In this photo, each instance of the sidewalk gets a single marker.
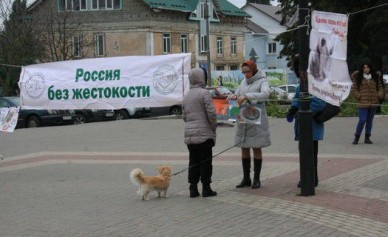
(83, 193)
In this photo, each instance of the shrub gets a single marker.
(348, 108)
(276, 109)
(384, 108)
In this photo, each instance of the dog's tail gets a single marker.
(136, 176)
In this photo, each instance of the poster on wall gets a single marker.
(328, 76)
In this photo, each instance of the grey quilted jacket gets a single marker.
(256, 89)
(198, 112)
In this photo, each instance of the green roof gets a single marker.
(224, 6)
(175, 5)
(229, 9)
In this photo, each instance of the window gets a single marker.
(220, 46)
(288, 88)
(271, 48)
(77, 40)
(202, 13)
(220, 67)
(117, 4)
(72, 5)
(4, 103)
(166, 43)
(101, 4)
(233, 45)
(203, 44)
(84, 5)
(184, 43)
(68, 5)
(109, 5)
(100, 45)
(76, 6)
(233, 67)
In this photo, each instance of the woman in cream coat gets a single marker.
(254, 89)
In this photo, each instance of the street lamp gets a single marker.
(209, 78)
(306, 151)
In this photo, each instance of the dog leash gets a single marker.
(183, 170)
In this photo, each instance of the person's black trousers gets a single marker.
(315, 144)
(200, 162)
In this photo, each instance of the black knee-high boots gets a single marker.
(256, 176)
(246, 181)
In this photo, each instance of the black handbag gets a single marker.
(329, 112)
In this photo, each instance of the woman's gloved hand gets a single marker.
(291, 114)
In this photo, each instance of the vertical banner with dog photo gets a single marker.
(328, 76)
(8, 119)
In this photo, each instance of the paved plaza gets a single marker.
(74, 181)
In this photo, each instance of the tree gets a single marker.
(62, 34)
(367, 30)
(18, 45)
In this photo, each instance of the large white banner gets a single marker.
(106, 83)
(8, 119)
(328, 76)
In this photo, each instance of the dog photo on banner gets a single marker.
(250, 113)
(328, 76)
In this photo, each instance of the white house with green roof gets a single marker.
(260, 44)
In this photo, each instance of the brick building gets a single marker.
(147, 27)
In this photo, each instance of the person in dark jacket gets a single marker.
(200, 118)
(368, 92)
(316, 105)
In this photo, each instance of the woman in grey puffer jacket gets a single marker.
(200, 117)
(254, 88)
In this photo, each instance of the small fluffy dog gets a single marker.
(159, 183)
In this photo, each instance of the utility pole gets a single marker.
(207, 15)
(306, 152)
